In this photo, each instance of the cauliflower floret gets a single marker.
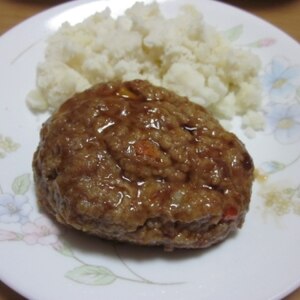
(184, 80)
(225, 108)
(57, 82)
(182, 53)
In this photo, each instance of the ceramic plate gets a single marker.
(261, 261)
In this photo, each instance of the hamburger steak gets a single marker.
(137, 163)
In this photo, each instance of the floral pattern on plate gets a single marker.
(273, 166)
(283, 121)
(281, 83)
(21, 224)
(234, 33)
(280, 199)
(7, 145)
(40, 230)
(281, 80)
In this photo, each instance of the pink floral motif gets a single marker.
(6, 235)
(42, 231)
(265, 42)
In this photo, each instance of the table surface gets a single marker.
(281, 13)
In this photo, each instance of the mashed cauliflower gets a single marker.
(183, 54)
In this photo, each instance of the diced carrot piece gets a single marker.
(230, 213)
(146, 148)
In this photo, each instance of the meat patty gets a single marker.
(137, 163)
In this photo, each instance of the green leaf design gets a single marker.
(277, 166)
(7, 145)
(21, 184)
(234, 33)
(91, 275)
(273, 166)
(63, 248)
(289, 192)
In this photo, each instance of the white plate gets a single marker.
(260, 262)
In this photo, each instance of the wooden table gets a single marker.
(282, 13)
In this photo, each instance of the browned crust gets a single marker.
(137, 163)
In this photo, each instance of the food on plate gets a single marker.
(137, 163)
(181, 53)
